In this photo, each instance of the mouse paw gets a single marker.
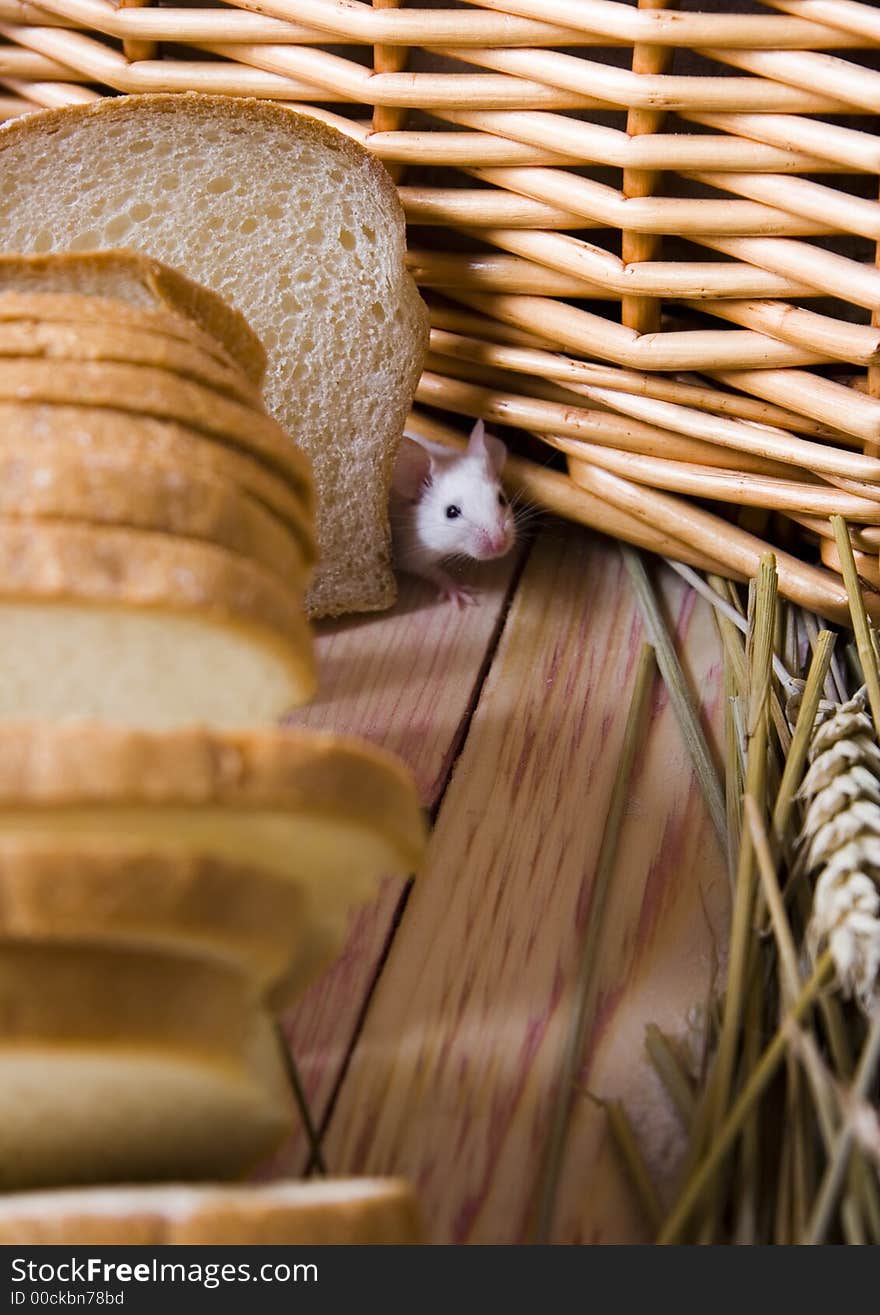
(460, 594)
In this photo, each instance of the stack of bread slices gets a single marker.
(173, 865)
(156, 533)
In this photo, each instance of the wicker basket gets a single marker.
(648, 237)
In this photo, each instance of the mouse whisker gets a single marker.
(525, 515)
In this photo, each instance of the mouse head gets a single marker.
(461, 507)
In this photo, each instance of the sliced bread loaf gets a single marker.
(107, 433)
(67, 485)
(121, 1066)
(301, 230)
(332, 1212)
(332, 815)
(76, 310)
(144, 629)
(50, 340)
(152, 295)
(146, 390)
(105, 890)
(62, 995)
(284, 770)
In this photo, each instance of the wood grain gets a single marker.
(454, 1074)
(405, 679)
(664, 935)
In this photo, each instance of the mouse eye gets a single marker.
(452, 512)
(502, 501)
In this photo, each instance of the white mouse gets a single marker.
(447, 504)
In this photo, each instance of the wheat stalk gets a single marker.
(779, 1055)
(840, 840)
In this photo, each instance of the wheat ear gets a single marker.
(841, 841)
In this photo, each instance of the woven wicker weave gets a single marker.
(648, 237)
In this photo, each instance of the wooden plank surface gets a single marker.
(405, 679)
(664, 933)
(454, 1074)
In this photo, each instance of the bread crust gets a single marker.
(210, 313)
(63, 995)
(110, 434)
(64, 486)
(46, 765)
(147, 390)
(51, 340)
(328, 1212)
(167, 1069)
(91, 310)
(141, 569)
(110, 890)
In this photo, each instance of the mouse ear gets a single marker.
(486, 446)
(412, 469)
(417, 460)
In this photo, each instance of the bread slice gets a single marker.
(281, 770)
(79, 310)
(151, 295)
(111, 891)
(331, 1212)
(144, 629)
(146, 390)
(295, 225)
(68, 995)
(67, 485)
(51, 340)
(121, 1065)
(107, 433)
(332, 815)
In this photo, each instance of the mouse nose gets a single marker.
(494, 544)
